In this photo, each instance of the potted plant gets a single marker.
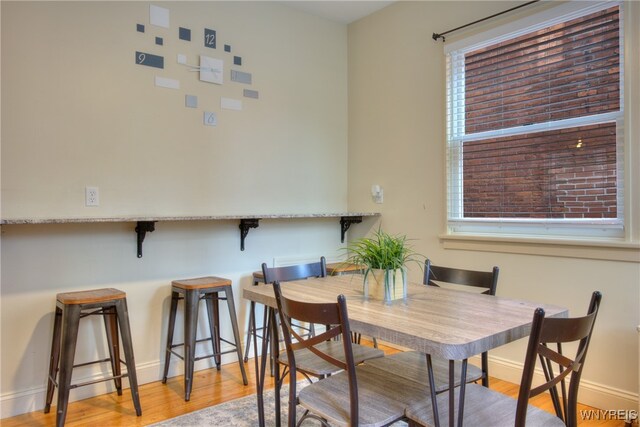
(385, 258)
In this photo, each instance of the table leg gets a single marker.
(432, 387)
(463, 385)
(260, 369)
(434, 400)
(452, 393)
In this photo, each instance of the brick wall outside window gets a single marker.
(565, 71)
(557, 174)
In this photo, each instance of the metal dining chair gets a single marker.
(412, 364)
(309, 364)
(356, 396)
(486, 407)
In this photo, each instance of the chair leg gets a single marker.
(54, 359)
(275, 339)
(250, 331)
(170, 328)
(191, 301)
(113, 341)
(127, 346)
(236, 333)
(70, 323)
(485, 369)
(211, 314)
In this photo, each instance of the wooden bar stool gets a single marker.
(340, 268)
(192, 291)
(70, 308)
(258, 277)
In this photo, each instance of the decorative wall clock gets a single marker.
(210, 68)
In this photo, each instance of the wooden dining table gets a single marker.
(446, 323)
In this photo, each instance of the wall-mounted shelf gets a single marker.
(247, 222)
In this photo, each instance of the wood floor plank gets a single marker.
(210, 387)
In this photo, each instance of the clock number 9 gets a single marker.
(149, 60)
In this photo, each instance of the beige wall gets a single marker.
(397, 140)
(77, 111)
(93, 117)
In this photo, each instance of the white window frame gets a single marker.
(596, 229)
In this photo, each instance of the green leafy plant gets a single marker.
(383, 251)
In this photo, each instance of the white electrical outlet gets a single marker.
(91, 196)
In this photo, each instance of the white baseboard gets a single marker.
(591, 393)
(599, 396)
(21, 402)
(15, 403)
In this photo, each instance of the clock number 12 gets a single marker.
(209, 38)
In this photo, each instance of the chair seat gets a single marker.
(482, 407)
(310, 363)
(382, 397)
(412, 366)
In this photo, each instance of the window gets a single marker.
(535, 127)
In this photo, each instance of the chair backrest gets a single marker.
(294, 272)
(547, 331)
(335, 316)
(457, 276)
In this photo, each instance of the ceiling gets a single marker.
(343, 12)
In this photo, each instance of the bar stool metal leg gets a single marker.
(212, 316)
(236, 334)
(127, 344)
(70, 323)
(54, 359)
(113, 342)
(170, 329)
(191, 299)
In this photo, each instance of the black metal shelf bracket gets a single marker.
(142, 228)
(345, 223)
(245, 225)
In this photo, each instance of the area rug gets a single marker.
(241, 412)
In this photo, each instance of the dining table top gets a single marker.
(444, 322)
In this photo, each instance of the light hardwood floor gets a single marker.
(210, 387)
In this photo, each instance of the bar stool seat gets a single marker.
(70, 308)
(192, 291)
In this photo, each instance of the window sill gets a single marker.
(601, 250)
